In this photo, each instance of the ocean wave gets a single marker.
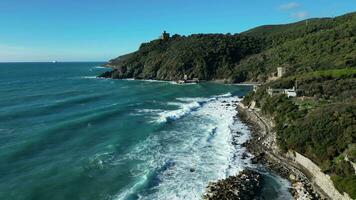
(184, 158)
(88, 77)
(130, 191)
(96, 68)
(175, 83)
(148, 110)
(184, 109)
(100, 67)
(186, 106)
(146, 80)
(158, 81)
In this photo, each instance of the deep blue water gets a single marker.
(65, 134)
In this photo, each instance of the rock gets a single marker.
(244, 156)
(246, 185)
(192, 170)
(258, 158)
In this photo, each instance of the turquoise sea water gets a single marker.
(65, 134)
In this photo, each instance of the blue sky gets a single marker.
(97, 30)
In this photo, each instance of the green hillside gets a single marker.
(305, 46)
(319, 56)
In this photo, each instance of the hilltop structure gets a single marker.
(164, 36)
(281, 71)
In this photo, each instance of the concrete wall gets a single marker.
(319, 178)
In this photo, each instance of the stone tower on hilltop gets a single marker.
(164, 36)
(281, 72)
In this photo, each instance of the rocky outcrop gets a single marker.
(245, 186)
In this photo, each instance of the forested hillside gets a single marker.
(320, 123)
(319, 56)
(301, 47)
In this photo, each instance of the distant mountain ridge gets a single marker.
(304, 46)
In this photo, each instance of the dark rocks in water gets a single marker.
(107, 74)
(244, 156)
(192, 170)
(258, 158)
(235, 138)
(246, 185)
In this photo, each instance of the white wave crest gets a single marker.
(88, 77)
(184, 159)
(186, 106)
(176, 114)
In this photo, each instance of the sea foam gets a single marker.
(196, 148)
(186, 106)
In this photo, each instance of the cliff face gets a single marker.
(250, 56)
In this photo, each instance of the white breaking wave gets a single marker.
(100, 67)
(89, 77)
(147, 80)
(186, 106)
(184, 109)
(159, 81)
(179, 162)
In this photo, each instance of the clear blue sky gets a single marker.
(97, 30)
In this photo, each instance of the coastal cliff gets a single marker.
(305, 46)
(317, 58)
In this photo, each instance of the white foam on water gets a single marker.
(175, 83)
(129, 191)
(184, 109)
(146, 80)
(148, 110)
(88, 77)
(159, 81)
(100, 67)
(197, 149)
(185, 106)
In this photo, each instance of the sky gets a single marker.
(98, 30)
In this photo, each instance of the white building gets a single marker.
(289, 92)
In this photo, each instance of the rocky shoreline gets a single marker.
(264, 148)
(246, 185)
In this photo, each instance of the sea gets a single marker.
(66, 134)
